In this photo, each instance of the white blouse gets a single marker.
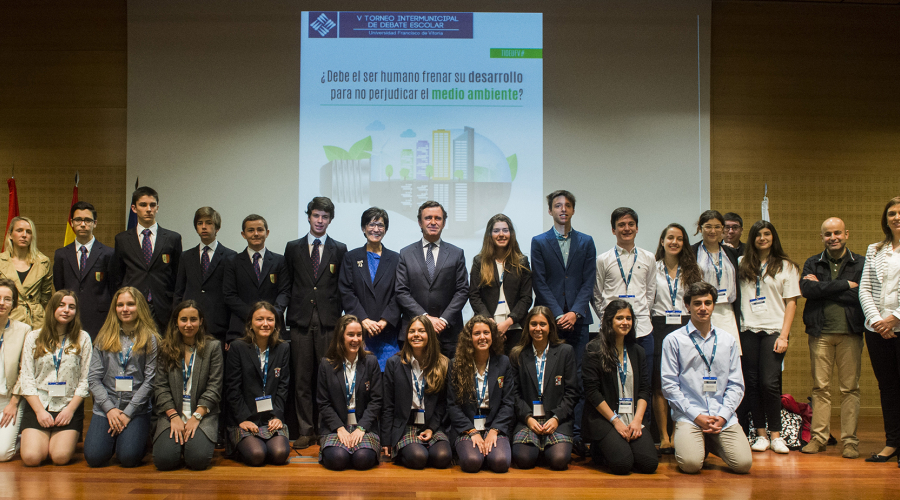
(37, 374)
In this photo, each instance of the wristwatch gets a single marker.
(197, 415)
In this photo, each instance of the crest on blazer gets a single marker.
(273, 278)
(359, 263)
(165, 258)
(99, 275)
(277, 372)
(331, 268)
(367, 385)
(558, 380)
(500, 382)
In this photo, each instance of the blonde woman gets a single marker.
(12, 337)
(29, 269)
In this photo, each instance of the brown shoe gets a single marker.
(302, 442)
(814, 446)
(850, 451)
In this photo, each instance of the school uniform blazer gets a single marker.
(600, 386)
(34, 292)
(241, 289)
(561, 391)
(733, 256)
(93, 286)
(398, 397)
(365, 298)
(13, 341)
(243, 382)
(128, 268)
(441, 297)
(310, 292)
(516, 287)
(206, 389)
(564, 287)
(331, 396)
(873, 276)
(501, 399)
(208, 292)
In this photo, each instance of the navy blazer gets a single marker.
(243, 382)
(398, 397)
(600, 386)
(332, 399)
(516, 289)
(569, 287)
(364, 298)
(732, 255)
(561, 389)
(241, 289)
(93, 287)
(501, 399)
(207, 291)
(308, 291)
(128, 268)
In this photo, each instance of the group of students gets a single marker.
(504, 387)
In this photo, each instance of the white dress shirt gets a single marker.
(89, 245)
(154, 230)
(417, 374)
(349, 379)
(663, 300)
(212, 249)
(435, 251)
(36, 374)
(311, 240)
(610, 285)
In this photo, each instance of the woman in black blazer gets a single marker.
(187, 390)
(415, 400)
(546, 393)
(480, 398)
(349, 398)
(500, 280)
(368, 275)
(256, 387)
(616, 391)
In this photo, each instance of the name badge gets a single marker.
(57, 389)
(124, 384)
(723, 295)
(538, 409)
(263, 404)
(626, 406)
(709, 384)
(420, 417)
(351, 417)
(673, 317)
(758, 305)
(479, 422)
(186, 404)
(627, 298)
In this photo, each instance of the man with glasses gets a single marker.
(83, 267)
(734, 227)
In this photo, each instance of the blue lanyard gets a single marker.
(719, 268)
(539, 364)
(622, 270)
(623, 370)
(762, 270)
(265, 369)
(57, 358)
(673, 292)
(481, 393)
(419, 386)
(123, 359)
(187, 369)
(350, 386)
(703, 356)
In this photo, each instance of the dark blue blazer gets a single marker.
(129, 269)
(564, 288)
(398, 396)
(241, 289)
(190, 284)
(364, 298)
(308, 291)
(93, 287)
(332, 400)
(501, 399)
(243, 382)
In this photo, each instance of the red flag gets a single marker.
(13, 206)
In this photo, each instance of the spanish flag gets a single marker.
(70, 234)
(13, 205)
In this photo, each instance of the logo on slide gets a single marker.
(323, 24)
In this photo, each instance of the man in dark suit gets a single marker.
(83, 267)
(201, 271)
(147, 257)
(432, 279)
(252, 275)
(314, 265)
(563, 273)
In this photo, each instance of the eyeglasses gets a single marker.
(733, 228)
(375, 225)
(707, 227)
(80, 221)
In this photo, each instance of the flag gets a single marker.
(765, 204)
(13, 206)
(132, 217)
(70, 234)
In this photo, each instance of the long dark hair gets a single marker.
(250, 335)
(525, 338)
(337, 351)
(708, 216)
(690, 271)
(48, 338)
(750, 264)
(172, 347)
(888, 235)
(604, 345)
(435, 364)
(512, 256)
(464, 361)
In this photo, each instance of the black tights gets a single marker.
(256, 451)
(337, 458)
(471, 459)
(558, 456)
(417, 456)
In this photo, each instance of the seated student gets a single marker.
(616, 392)
(349, 399)
(415, 400)
(546, 392)
(187, 391)
(481, 398)
(256, 386)
(54, 377)
(701, 378)
(12, 337)
(123, 365)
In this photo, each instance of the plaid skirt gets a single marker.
(236, 434)
(369, 441)
(541, 441)
(412, 437)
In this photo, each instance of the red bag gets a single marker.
(804, 410)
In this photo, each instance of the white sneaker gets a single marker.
(761, 444)
(778, 446)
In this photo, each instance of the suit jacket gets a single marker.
(241, 289)
(128, 268)
(501, 398)
(516, 288)
(207, 291)
(310, 292)
(364, 298)
(872, 281)
(564, 287)
(93, 286)
(243, 382)
(331, 396)
(398, 397)
(732, 255)
(206, 389)
(13, 341)
(34, 292)
(561, 390)
(819, 293)
(442, 297)
(600, 386)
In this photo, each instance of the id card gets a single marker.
(124, 384)
(673, 317)
(420, 417)
(709, 384)
(627, 298)
(57, 389)
(186, 405)
(723, 295)
(538, 410)
(626, 406)
(479, 422)
(263, 404)
(758, 305)
(351, 417)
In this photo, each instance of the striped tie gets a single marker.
(429, 261)
(82, 262)
(256, 267)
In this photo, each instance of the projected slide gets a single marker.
(397, 108)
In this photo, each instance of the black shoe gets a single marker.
(579, 448)
(881, 458)
(220, 443)
(667, 451)
(303, 442)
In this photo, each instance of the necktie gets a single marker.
(82, 262)
(256, 268)
(147, 246)
(429, 261)
(204, 261)
(315, 257)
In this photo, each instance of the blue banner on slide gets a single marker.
(420, 25)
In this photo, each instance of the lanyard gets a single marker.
(622, 270)
(187, 369)
(419, 386)
(762, 270)
(350, 386)
(623, 370)
(265, 369)
(703, 356)
(480, 393)
(500, 272)
(719, 268)
(673, 292)
(539, 364)
(57, 358)
(123, 359)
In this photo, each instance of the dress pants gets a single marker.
(578, 339)
(826, 351)
(308, 347)
(885, 356)
(762, 376)
(731, 445)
